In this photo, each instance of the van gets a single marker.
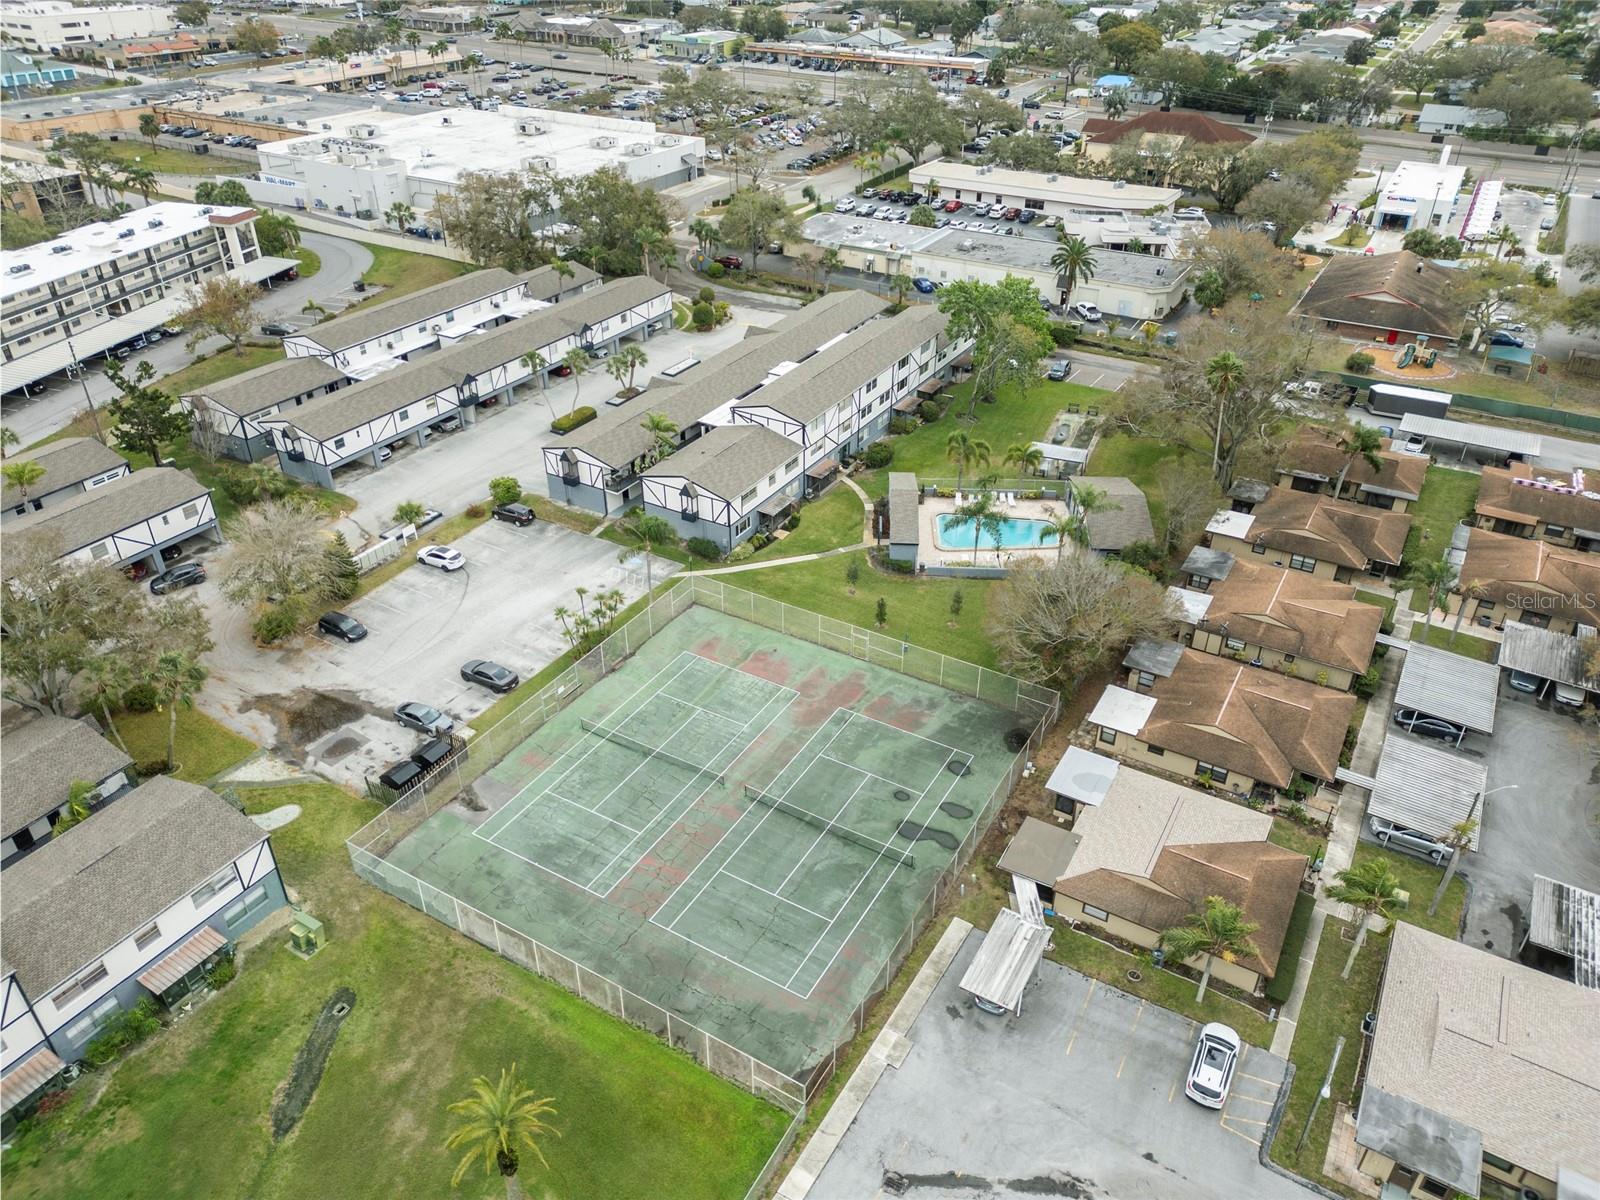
(1408, 841)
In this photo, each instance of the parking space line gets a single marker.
(1183, 1076)
(1078, 1024)
(1232, 1096)
(1134, 1028)
(1236, 1133)
(1272, 1083)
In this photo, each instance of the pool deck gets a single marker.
(935, 553)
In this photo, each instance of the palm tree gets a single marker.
(1436, 578)
(900, 283)
(413, 39)
(1224, 373)
(1219, 930)
(499, 1121)
(577, 360)
(830, 262)
(141, 180)
(704, 233)
(868, 162)
(984, 517)
(107, 677)
(1088, 500)
(653, 241)
(399, 214)
(1025, 456)
(535, 362)
(1371, 887)
(632, 358)
(22, 475)
(436, 49)
(964, 450)
(1458, 839)
(664, 429)
(1063, 526)
(1073, 263)
(1357, 441)
(8, 439)
(649, 533)
(176, 678)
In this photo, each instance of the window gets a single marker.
(92, 1019)
(404, 413)
(191, 511)
(747, 498)
(208, 890)
(792, 464)
(1233, 643)
(1299, 562)
(1377, 500)
(91, 978)
(1503, 1165)
(1199, 583)
(1258, 547)
(1099, 914)
(1147, 679)
(100, 550)
(1064, 804)
(1287, 659)
(743, 525)
(251, 902)
(147, 935)
(1555, 531)
(338, 443)
(1036, 205)
(1432, 1187)
(1156, 751)
(1108, 735)
(1218, 775)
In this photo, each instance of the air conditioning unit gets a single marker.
(670, 139)
(19, 269)
(635, 149)
(603, 143)
(437, 328)
(154, 223)
(60, 249)
(531, 128)
(125, 233)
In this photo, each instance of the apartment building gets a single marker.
(1328, 538)
(1525, 502)
(1314, 462)
(71, 466)
(52, 26)
(102, 284)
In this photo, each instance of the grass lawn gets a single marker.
(400, 271)
(919, 609)
(1139, 459)
(1294, 940)
(432, 1011)
(204, 748)
(169, 160)
(1296, 837)
(1446, 499)
(310, 261)
(1439, 636)
(223, 365)
(1384, 602)
(1335, 1006)
(1421, 879)
(825, 524)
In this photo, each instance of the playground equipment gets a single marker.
(1416, 353)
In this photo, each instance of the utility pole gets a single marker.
(1325, 1094)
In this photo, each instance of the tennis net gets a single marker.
(892, 853)
(622, 739)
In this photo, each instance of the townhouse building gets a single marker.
(1314, 462)
(1562, 509)
(72, 466)
(1328, 538)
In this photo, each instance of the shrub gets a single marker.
(758, 540)
(277, 623)
(741, 552)
(793, 522)
(706, 295)
(140, 698)
(221, 975)
(477, 511)
(927, 412)
(567, 422)
(879, 454)
(1147, 556)
(715, 270)
(241, 489)
(901, 425)
(150, 769)
(503, 489)
(1366, 684)
(702, 316)
(1063, 334)
(1359, 363)
(123, 1031)
(703, 548)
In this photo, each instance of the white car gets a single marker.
(442, 557)
(844, 206)
(1216, 1055)
(1086, 312)
(1190, 214)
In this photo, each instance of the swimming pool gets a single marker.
(1015, 534)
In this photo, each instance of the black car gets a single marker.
(490, 675)
(183, 575)
(517, 514)
(401, 777)
(277, 329)
(341, 625)
(433, 753)
(1423, 725)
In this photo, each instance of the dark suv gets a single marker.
(517, 514)
(181, 576)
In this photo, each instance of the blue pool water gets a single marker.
(1015, 534)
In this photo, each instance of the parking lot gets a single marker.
(1080, 1096)
(328, 703)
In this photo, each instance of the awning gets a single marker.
(775, 506)
(1160, 659)
(1566, 920)
(26, 1078)
(822, 469)
(930, 389)
(1006, 960)
(910, 402)
(170, 970)
(1463, 433)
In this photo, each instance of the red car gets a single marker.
(561, 369)
(732, 261)
(1011, 214)
(953, 206)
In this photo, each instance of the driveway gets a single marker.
(327, 704)
(1550, 825)
(453, 470)
(1081, 1096)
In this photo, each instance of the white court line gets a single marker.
(830, 825)
(679, 812)
(704, 949)
(774, 895)
(909, 733)
(595, 811)
(545, 867)
(899, 783)
(587, 742)
(748, 835)
(649, 758)
(871, 904)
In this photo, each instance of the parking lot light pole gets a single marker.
(1325, 1094)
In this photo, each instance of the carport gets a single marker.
(1565, 920)
(1006, 961)
(1503, 444)
(1039, 854)
(1427, 789)
(1553, 657)
(1450, 687)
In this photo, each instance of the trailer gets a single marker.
(1395, 400)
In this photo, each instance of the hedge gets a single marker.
(569, 422)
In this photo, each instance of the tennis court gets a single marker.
(735, 825)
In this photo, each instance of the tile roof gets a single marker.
(112, 507)
(1119, 527)
(1320, 527)
(1500, 1047)
(1255, 722)
(1153, 850)
(247, 394)
(1196, 127)
(1510, 494)
(729, 459)
(1531, 573)
(1384, 291)
(369, 322)
(1315, 452)
(1295, 613)
(116, 870)
(69, 461)
(43, 758)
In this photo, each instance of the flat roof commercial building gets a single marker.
(1043, 192)
(55, 25)
(1420, 195)
(368, 163)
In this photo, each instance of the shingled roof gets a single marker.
(1244, 719)
(1398, 291)
(1193, 126)
(1567, 500)
(43, 759)
(1320, 527)
(1531, 574)
(1314, 452)
(66, 462)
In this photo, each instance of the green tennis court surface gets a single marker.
(736, 825)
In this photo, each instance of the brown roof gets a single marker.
(1501, 495)
(1196, 127)
(1295, 613)
(1323, 528)
(1384, 291)
(1315, 451)
(1256, 722)
(1532, 574)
